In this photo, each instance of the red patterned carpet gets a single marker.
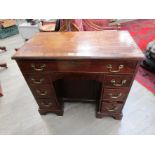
(143, 31)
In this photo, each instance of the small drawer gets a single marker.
(116, 67)
(111, 107)
(43, 91)
(99, 66)
(34, 66)
(47, 103)
(118, 80)
(37, 79)
(115, 94)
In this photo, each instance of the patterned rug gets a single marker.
(143, 31)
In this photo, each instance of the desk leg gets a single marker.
(115, 116)
(45, 111)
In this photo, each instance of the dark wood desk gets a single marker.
(97, 67)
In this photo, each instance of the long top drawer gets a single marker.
(103, 66)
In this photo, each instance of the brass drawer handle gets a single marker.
(111, 109)
(46, 104)
(114, 108)
(37, 82)
(42, 93)
(38, 69)
(117, 84)
(116, 96)
(109, 66)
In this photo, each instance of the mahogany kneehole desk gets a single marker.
(96, 67)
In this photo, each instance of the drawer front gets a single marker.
(115, 94)
(43, 91)
(37, 79)
(104, 66)
(34, 66)
(111, 107)
(47, 103)
(94, 66)
(117, 80)
(81, 76)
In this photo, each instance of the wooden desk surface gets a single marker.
(81, 45)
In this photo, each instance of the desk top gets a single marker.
(108, 44)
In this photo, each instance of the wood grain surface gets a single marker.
(75, 45)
